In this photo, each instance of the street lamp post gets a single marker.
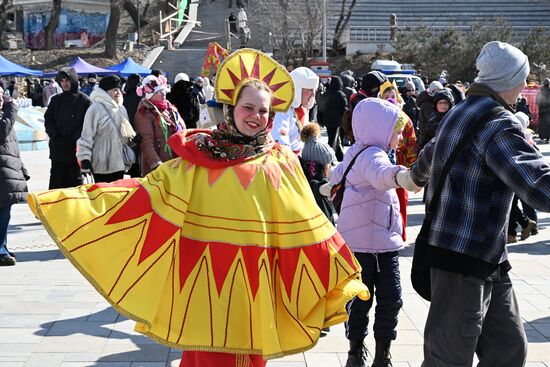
(324, 31)
(138, 25)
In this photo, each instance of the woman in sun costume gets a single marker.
(221, 252)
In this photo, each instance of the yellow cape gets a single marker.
(237, 259)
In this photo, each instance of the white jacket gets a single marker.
(101, 140)
(286, 131)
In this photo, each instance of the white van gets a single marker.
(401, 79)
(394, 71)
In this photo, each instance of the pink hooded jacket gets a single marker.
(369, 219)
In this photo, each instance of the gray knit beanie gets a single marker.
(501, 66)
(317, 151)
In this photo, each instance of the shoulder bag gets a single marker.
(420, 272)
(337, 191)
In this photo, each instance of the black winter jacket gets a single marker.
(13, 186)
(64, 118)
(131, 99)
(333, 103)
(186, 102)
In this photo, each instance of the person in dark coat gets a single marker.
(370, 87)
(197, 90)
(13, 175)
(183, 98)
(543, 101)
(63, 121)
(316, 159)
(131, 102)
(408, 92)
(332, 106)
(131, 99)
(523, 106)
(349, 85)
(233, 23)
(443, 101)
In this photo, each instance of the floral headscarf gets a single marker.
(151, 85)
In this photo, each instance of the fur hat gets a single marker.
(502, 67)
(110, 82)
(372, 81)
(314, 149)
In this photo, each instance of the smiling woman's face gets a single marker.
(251, 113)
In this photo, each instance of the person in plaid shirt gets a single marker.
(474, 307)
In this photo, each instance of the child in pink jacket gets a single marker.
(371, 224)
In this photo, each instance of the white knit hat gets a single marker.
(501, 66)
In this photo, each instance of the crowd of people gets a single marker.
(253, 196)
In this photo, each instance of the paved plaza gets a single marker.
(51, 317)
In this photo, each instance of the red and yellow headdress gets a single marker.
(249, 64)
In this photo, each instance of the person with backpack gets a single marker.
(371, 224)
(182, 97)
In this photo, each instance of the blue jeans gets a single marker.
(4, 221)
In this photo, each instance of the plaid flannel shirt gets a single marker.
(472, 215)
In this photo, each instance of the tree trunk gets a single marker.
(341, 25)
(52, 25)
(112, 30)
(3, 16)
(131, 9)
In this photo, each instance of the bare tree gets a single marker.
(295, 27)
(52, 24)
(4, 6)
(341, 25)
(131, 9)
(112, 29)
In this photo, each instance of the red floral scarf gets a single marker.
(221, 147)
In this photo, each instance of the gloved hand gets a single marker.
(137, 139)
(86, 172)
(86, 165)
(325, 189)
(403, 179)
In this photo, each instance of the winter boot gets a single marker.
(356, 354)
(382, 357)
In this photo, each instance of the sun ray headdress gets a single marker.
(226, 145)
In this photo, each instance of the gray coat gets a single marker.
(13, 186)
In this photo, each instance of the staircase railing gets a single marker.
(170, 24)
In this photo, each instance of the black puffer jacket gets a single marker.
(64, 118)
(13, 187)
(333, 103)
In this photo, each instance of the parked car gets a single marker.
(401, 79)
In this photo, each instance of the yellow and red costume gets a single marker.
(210, 255)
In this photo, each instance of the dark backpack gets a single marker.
(345, 124)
